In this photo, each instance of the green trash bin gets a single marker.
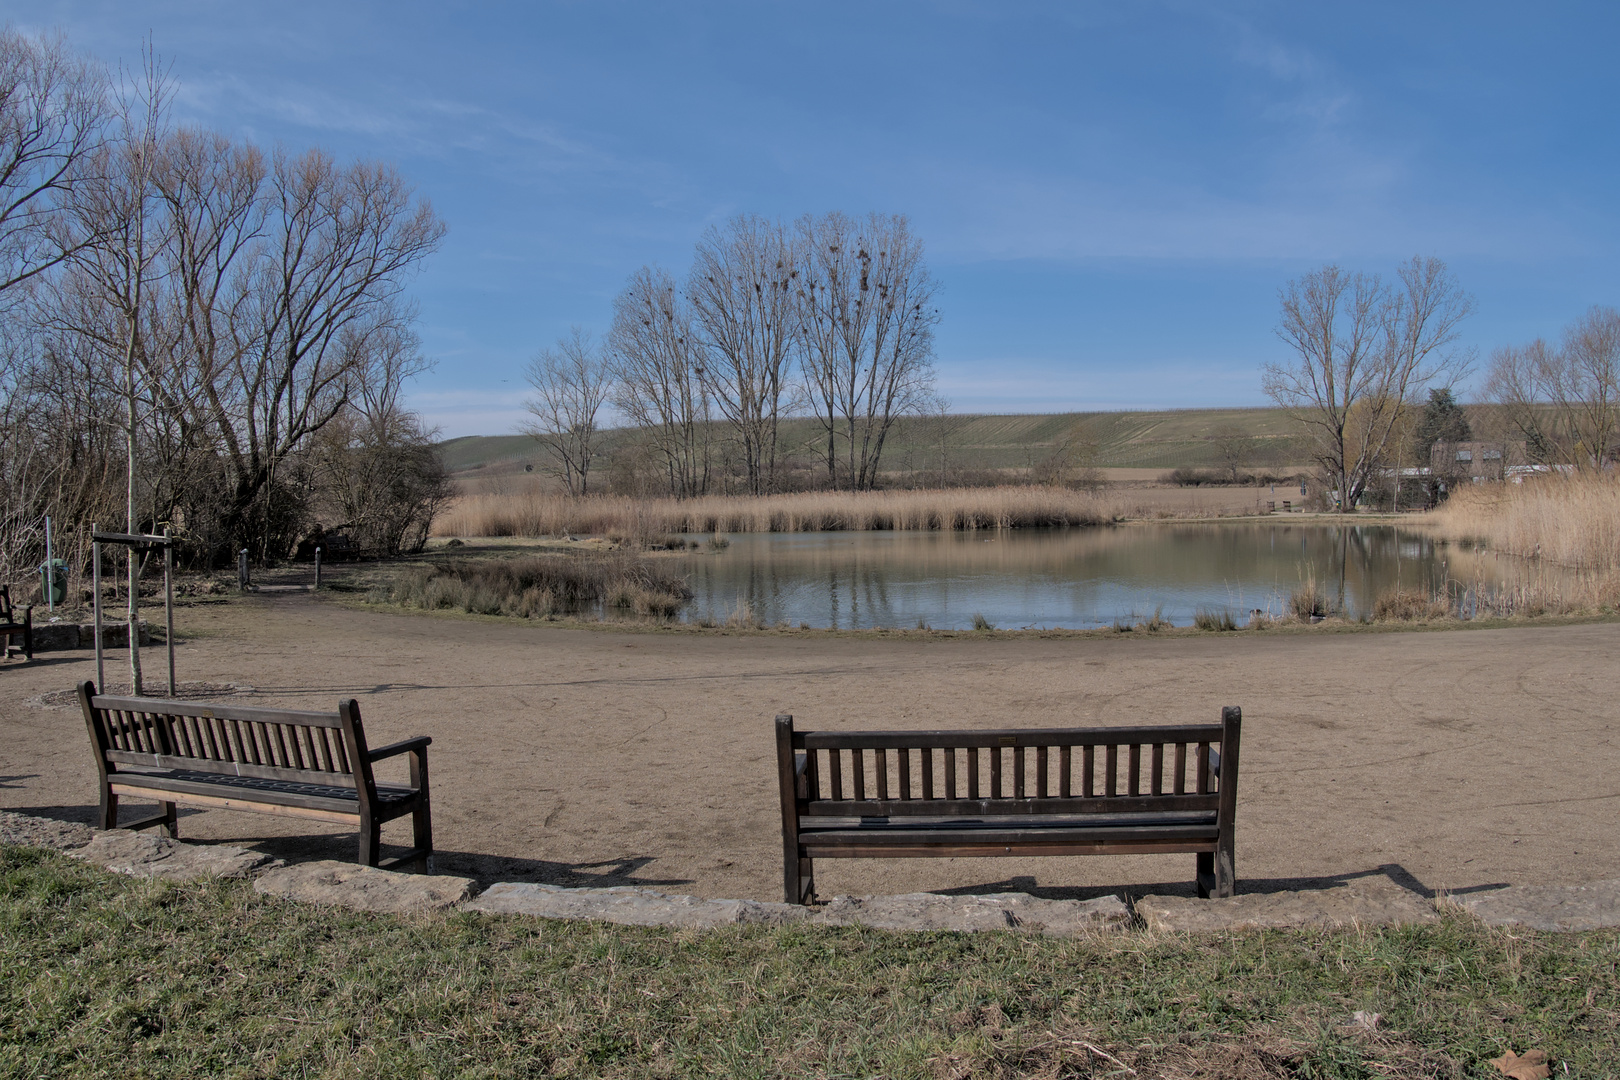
(53, 581)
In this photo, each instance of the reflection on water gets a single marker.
(1062, 577)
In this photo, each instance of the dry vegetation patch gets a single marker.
(1567, 521)
(538, 514)
(539, 586)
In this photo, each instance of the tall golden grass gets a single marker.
(1569, 521)
(534, 514)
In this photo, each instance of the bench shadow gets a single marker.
(488, 869)
(341, 846)
(1395, 872)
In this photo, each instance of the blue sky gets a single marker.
(1111, 193)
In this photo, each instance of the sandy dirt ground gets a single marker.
(1459, 759)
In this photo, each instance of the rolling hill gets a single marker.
(1158, 440)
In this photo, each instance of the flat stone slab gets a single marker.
(995, 911)
(150, 856)
(43, 832)
(1368, 902)
(1565, 908)
(631, 906)
(363, 888)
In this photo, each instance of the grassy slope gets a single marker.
(102, 975)
(1160, 440)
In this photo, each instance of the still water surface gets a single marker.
(1073, 578)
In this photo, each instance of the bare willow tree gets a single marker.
(866, 331)
(657, 386)
(745, 309)
(1565, 401)
(1363, 351)
(571, 381)
(53, 108)
(340, 244)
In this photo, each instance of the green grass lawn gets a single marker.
(108, 976)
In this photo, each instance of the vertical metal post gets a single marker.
(242, 570)
(50, 571)
(95, 562)
(317, 569)
(168, 602)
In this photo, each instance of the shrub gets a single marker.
(1408, 605)
(1156, 623)
(1308, 601)
(981, 623)
(1214, 620)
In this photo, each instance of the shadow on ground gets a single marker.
(309, 847)
(630, 870)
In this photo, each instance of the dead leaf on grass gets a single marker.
(1531, 1065)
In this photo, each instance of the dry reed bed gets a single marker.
(535, 515)
(1568, 521)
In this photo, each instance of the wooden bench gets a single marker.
(312, 765)
(9, 624)
(1010, 791)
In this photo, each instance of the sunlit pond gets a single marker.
(1071, 578)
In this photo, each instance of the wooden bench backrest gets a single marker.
(269, 744)
(7, 615)
(1009, 771)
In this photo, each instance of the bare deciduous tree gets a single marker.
(655, 362)
(866, 329)
(571, 381)
(1234, 448)
(53, 106)
(1565, 402)
(340, 244)
(743, 297)
(1363, 350)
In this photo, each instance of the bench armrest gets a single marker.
(421, 742)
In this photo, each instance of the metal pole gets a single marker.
(168, 602)
(50, 571)
(317, 569)
(242, 570)
(95, 562)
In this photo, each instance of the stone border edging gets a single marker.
(1368, 902)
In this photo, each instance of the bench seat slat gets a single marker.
(959, 833)
(1118, 736)
(281, 792)
(1118, 804)
(231, 768)
(960, 847)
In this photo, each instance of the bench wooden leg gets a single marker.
(167, 818)
(798, 880)
(1225, 873)
(422, 835)
(370, 843)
